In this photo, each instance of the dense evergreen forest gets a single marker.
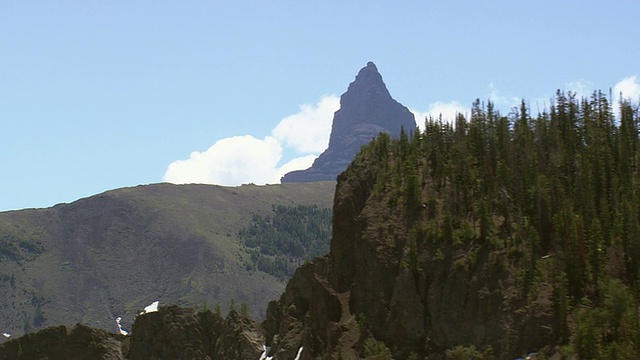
(280, 242)
(558, 192)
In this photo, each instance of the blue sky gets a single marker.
(96, 95)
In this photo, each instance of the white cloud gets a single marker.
(230, 161)
(629, 87)
(308, 130)
(448, 111)
(298, 163)
(245, 159)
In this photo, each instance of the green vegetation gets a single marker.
(244, 309)
(376, 350)
(610, 330)
(18, 243)
(232, 304)
(278, 243)
(557, 193)
(464, 353)
(9, 251)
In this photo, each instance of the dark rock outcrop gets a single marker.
(62, 342)
(366, 110)
(179, 333)
(170, 333)
(241, 338)
(308, 314)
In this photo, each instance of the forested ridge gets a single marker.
(557, 194)
(278, 243)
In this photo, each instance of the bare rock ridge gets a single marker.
(366, 110)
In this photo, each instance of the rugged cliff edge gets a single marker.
(382, 291)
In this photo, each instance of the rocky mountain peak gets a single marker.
(368, 84)
(366, 109)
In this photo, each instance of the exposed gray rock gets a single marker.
(366, 110)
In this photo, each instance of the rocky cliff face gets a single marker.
(382, 291)
(366, 110)
(179, 333)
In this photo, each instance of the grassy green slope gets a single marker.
(114, 253)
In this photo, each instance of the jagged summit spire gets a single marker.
(366, 109)
(368, 83)
(370, 71)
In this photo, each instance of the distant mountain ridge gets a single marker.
(366, 109)
(111, 254)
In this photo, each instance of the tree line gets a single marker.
(279, 242)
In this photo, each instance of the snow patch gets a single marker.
(267, 348)
(264, 353)
(122, 331)
(153, 307)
